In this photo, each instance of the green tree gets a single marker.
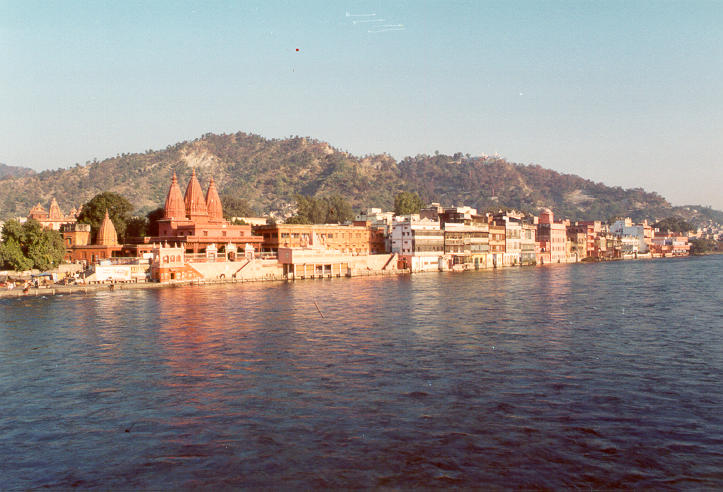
(702, 246)
(236, 207)
(153, 217)
(310, 210)
(406, 203)
(674, 224)
(137, 227)
(12, 256)
(44, 248)
(28, 246)
(333, 209)
(118, 207)
(298, 219)
(339, 210)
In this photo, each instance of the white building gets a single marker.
(630, 233)
(376, 217)
(419, 242)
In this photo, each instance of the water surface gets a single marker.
(603, 375)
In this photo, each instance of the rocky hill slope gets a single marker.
(14, 171)
(270, 172)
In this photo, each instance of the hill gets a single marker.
(14, 171)
(270, 172)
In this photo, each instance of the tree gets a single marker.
(153, 217)
(28, 245)
(702, 246)
(339, 210)
(322, 210)
(118, 207)
(44, 248)
(12, 256)
(406, 203)
(674, 224)
(236, 207)
(311, 210)
(298, 219)
(137, 227)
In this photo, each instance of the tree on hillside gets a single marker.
(236, 207)
(119, 211)
(321, 210)
(406, 203)
(674, 224)
(28, 245)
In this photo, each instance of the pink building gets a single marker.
(552, 237)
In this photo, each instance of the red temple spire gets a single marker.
(195, 204)
(174, 208)
(213, 202)
(107, 236)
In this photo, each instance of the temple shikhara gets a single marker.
(53, 218)
(196, 222)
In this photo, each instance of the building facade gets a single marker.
(353, 240)
(551, 238)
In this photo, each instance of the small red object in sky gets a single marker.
(297, 49)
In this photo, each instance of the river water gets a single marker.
(602, 375)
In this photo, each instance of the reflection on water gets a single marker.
(566, 376)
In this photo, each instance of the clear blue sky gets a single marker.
(628, 93)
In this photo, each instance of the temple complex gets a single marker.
(196, 222)
(54, 217)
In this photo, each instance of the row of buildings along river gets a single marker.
(194, 241)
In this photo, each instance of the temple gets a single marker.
(78, 247)
(53, 218)
(196, 222)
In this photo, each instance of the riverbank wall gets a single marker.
(254, 271)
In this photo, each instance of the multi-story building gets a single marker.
(467, 244)
(497, 243)
(512, 223)
(670, 244)
(352, 240)
(632, 233)
(457, 215)
(381, 225)
(528, 244)
(419, 242)
(431, 212)
(551, 238)
(576, 244)
(591, 229)
(375, 216)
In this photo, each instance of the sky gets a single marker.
(629, 93)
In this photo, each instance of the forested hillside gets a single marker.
(269, 173)
(14, 171)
